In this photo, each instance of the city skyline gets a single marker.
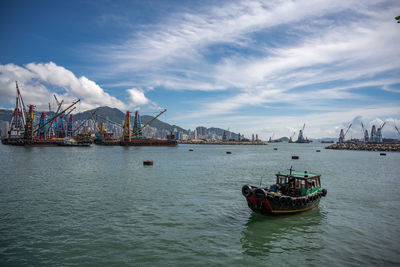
(253, 66)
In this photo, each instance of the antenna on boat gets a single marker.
(260, 180)
(291, 168)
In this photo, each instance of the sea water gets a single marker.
(99, 205)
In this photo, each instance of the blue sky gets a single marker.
(263, 67)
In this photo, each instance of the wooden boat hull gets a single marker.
(276, 204)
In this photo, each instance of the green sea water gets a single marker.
(100, 206)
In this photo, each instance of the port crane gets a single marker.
(83, 123)
(397, 129)
(300, 139)
(59, 104)
(17, 124)
(379, 133)
(365, 133)
(342, 134)
(138, 130)
(57, 115)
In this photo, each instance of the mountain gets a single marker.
(220, 132)
(112, 114)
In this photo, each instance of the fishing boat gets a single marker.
(293, 192)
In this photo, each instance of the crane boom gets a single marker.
(383, 125)
(58, 114)
(149, 122)
(19, 98)
(83, 123)
(347, 129)
(113, 122)
(397, 129)
(58, 109)
(304, 126)
(94, 121)
(69, 112)
(58, 102)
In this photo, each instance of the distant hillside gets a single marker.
(220, 132)
(113, 114)
(160, 125)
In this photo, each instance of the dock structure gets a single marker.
(23, 131)
(365, 147)
(204, 142)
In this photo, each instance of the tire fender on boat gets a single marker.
(260, 194)
(324, 192)
(246, 190)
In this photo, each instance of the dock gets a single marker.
(366, 147)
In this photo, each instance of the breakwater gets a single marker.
(221, 142)
(366, 147)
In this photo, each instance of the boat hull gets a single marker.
(280, 205)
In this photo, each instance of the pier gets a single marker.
(202, 142)
(366, 147)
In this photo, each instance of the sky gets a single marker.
(265, 67)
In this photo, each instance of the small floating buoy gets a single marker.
(275, 148)
(295, 157)
(228, 152)
(148, 163)
(383, 154)
(318, 150)
(190, 149)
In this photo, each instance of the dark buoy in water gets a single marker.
(318, 150)
(147, 163)
(228, 152)
(275, 148)
(190, 149)
(295, 157)
(383, 154)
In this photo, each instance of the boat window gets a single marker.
(282, 179)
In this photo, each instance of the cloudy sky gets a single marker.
(263, 67)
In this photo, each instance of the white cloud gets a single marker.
(35, 79)
(137, 97)
(348, 43)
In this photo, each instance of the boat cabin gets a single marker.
(297, 183)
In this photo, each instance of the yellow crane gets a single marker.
(138, 130)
